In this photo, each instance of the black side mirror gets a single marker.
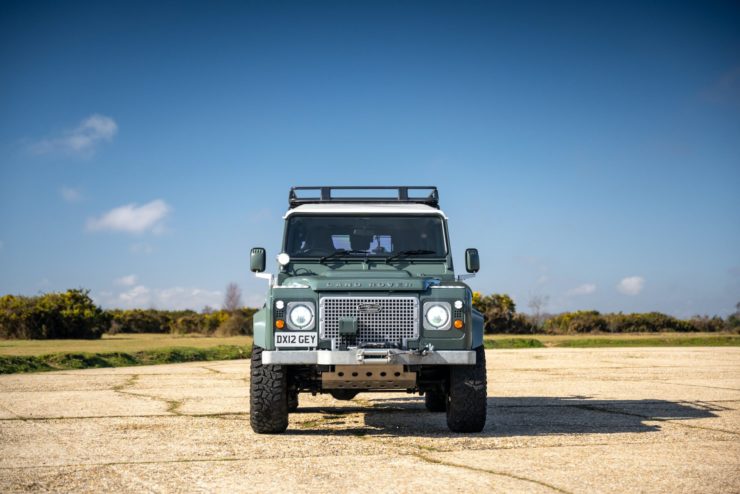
(257, 260)
(472, 261)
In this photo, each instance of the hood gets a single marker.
(363, 281)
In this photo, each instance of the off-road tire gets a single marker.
(268, 399)
(292, 401)
(435, 401)
(467, 395)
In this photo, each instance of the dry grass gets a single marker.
(127, 343)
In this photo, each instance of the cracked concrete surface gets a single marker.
(560, 420)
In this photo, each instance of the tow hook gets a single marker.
(428, 348)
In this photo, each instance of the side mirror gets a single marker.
(472, 261)
(257, 260)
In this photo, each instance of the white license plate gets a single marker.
(296, 338)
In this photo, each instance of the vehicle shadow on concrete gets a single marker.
(517, 416)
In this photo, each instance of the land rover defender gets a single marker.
(365, 299)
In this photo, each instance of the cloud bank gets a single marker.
(133, 218)
(175, 298)
(82, 139)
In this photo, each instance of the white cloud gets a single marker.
(70, 194)
(632, 285)
(132, 218)
(129, 280)
(175, 298)
(585, 289)
(83, 139)
(137, 297)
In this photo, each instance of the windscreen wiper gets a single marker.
(341, 252)
(413, 252)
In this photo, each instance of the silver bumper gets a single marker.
(368, 356)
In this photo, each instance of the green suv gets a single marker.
(366, 300)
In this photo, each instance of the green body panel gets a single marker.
(259, 328)
(306, 280)
(477, 329)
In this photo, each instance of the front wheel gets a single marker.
(268, 397)
(467, 395)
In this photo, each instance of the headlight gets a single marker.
(300, 315)
(437, 315)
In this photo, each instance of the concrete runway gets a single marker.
(581, 420)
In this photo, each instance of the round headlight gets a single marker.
(283, 258)
(300, 316)
(437, 316)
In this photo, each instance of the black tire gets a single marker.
(343, 394)
(268, 400)
(467, 395)
(435, 401)
(292, 401)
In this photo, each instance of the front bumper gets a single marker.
(362, 356)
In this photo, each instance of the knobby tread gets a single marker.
(467, 395)
(268, 400)
(435, 401)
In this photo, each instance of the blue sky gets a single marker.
(591, 152)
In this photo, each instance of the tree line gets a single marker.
(500, 316)
(73, 314)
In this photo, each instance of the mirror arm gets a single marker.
(266, 276)
(463, 277)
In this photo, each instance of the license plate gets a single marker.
(296, 338)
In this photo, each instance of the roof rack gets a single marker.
(375, 194)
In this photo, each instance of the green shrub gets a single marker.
(71, 314)
(576, 322)
(500, 316)
(141, 321)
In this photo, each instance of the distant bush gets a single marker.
(500, 316)
(71, 314)
(576, 322)
(183, 322)
(708, 324)
(650, 322)
(141, 321)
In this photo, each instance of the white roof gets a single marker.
(364, 208)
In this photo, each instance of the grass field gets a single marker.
(148, 349)
(612, 340)
(118, 343)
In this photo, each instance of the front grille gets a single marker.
(389, 320)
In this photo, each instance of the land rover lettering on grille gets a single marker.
(365, 299)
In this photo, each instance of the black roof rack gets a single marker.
(375, 194)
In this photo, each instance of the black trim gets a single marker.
(325, 195)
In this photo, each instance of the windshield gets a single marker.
(360, 236)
